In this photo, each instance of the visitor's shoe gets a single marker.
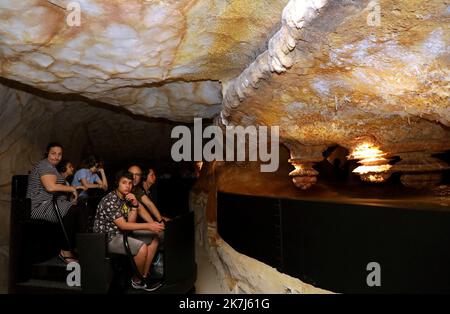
(138, 285)
(147, 286)
(153, 286)
(67, 259)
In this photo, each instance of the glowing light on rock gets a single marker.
(304, 175)
(374, 164)
(371, 169)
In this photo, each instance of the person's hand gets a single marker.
(74, 196)
(80, 187)
(155, 226)
(132, 199)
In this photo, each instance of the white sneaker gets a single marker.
(138, 285)
(146, 286)
(153, 286)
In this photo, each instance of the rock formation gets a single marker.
(369, 76)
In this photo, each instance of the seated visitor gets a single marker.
(66, 169)
(44, 182)
(142, 192)
(87, 176)
(117, 213)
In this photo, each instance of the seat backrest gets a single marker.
(179, 248)
(20, 205)
(96, 273)
(19, 186)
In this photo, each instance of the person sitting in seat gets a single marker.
(117, 213)
(44, 182)
(148, 180)
(66, 169)
(142, 193)
(87, 176)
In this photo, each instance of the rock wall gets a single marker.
(26, 125)
(239, 273)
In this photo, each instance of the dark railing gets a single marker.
(329, 243)
(60, 221)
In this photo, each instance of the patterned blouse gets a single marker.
(109, 209)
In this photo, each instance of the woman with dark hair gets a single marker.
(66, 169)
(44, 182)
(87, 176)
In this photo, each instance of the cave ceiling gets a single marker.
(154, 58)
(345, 78)
(330, 76)
(327, 73)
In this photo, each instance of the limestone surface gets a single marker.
(336, 76)
(156, 58)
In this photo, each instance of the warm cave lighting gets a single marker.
(304, 175)
(374, 166)
(298, 171)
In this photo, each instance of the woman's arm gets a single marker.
(152, 207)
(50, 185)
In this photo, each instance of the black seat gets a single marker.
(31, 241)
(180, 269)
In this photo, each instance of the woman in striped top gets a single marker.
(43, 182)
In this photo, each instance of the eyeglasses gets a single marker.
(137, 174)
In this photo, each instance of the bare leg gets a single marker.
(152, 247)
(140, 260)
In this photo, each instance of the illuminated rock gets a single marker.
(338, 78)
(375, 166)
(420, 170)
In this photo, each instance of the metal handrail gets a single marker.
(60, 220)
